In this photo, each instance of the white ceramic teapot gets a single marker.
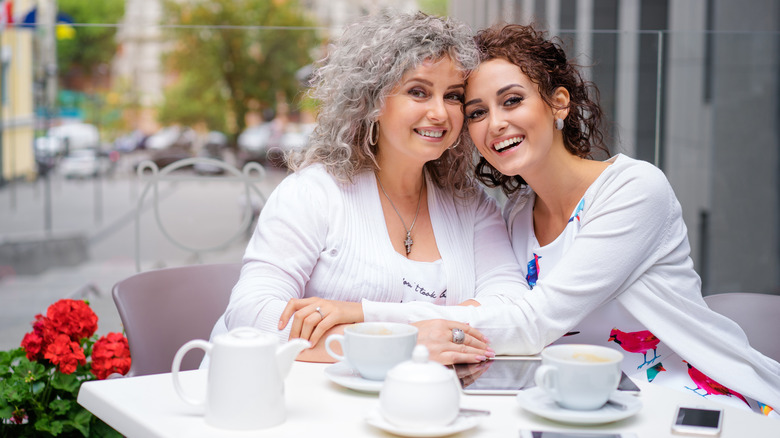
(420, 393)
(245, 388)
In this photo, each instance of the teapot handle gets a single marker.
(197, 343)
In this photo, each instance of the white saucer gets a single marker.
(537, 401)
(460, 424)
(343, 374)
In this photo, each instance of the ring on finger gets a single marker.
(320, 312)
(458, 336)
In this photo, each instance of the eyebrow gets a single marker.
(430, 84)
(500, 91)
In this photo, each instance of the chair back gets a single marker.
(163, 309)
(757, 314)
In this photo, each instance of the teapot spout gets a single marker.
(286, 354)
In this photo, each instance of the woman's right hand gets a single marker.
(313, 317)
(436, 335)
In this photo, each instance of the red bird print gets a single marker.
(636, 342)
(710, 386)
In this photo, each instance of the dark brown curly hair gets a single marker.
(544, 62)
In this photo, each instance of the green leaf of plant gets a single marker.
(60, 407)
(65, 382)
(81, 420)
(46, 424)
(6, 411)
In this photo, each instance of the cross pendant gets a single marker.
(408, 242)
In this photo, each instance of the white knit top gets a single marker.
(318, 237)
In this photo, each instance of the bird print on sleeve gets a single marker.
(710, 386)
(653, 371)
(533, 271)
(637, 342)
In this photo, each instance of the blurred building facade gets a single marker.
(692, 86)
(137, 67)
(17, 119)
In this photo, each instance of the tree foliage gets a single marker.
(246, 57)
(80, 58)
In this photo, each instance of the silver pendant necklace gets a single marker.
(408, 241)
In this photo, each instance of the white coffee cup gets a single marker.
(373, 348)
(579, 376)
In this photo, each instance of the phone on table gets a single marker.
(509, 375)
(697, 421)
(570, 434)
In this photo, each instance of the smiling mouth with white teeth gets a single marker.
(508, 143)
(432, 134)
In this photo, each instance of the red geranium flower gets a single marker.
(33, 346)
(110, 354)
(73, 318)
(65, 354)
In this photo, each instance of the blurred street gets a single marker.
(198, 213)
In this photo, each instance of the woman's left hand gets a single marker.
(436, 334)
(310, 323)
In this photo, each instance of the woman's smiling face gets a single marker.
(423, 115)
(509, 122)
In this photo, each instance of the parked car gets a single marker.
(135, 140)
(84, 163)
(296, 137)
(253, 143)
(170, 137)
(61, 140)
(216, 142)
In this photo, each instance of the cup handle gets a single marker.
(546, 378)
(332, 338)
(197, 343)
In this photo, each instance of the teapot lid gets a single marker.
(420, 369)
(245, 336)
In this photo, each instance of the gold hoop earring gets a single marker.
(371, 134)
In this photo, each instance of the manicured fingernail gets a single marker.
(481, 358)
(491, 350)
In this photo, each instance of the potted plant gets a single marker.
(40, 381)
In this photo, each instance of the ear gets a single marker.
(560, 103)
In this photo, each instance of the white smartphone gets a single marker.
(569, 434)
(697, 421)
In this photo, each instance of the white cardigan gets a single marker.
(317, 237)
(632, 247)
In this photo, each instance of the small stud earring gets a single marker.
(559, 124)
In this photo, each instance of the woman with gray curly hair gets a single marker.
(381, 209)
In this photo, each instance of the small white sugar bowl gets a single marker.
(420, 393)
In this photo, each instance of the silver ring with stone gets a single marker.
(320, 312)
(458, 336)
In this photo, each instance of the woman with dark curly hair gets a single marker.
(382, 209)
(603, 244)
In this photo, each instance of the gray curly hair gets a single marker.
(363, 67)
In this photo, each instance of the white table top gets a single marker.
(148, 406)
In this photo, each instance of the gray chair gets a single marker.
(757, 314)
(163, 309)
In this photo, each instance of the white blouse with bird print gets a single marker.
(613, 326)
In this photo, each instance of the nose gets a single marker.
(437, 111)
(496, 123)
